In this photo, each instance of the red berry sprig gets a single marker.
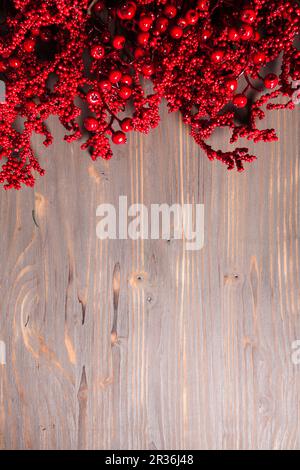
(202, 56)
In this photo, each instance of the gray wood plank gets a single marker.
(141, 344)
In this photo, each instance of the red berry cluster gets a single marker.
(209, 59)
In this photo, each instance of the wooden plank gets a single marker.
(141, 344)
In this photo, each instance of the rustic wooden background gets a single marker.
(144, 345)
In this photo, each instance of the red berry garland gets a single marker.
(202, 57)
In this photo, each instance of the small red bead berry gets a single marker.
(139, 53)
(29, 45)
(93, 97)
(248, 16)
(126, 125)
(231, 85)
(148, 70)
(35, 32)
(161, 24)
(205, 34)
(119, 42)
(240, 101)
(202, 5)
(143, 38)
(191, 17)
(233, 34)
(127, 11)
(256, 36)
(125, 92)
(127, 79)
(115, 76)
(15, 63)
(259, 58)
(217, 56)
(145, 23)
(271, 81)
(98, 7)
(176, 32)
(182, 23)
(119, 138)
(97, 51)
(91, 124)
(30, 106)
(170, 11)
(246, 32)
(104, 85)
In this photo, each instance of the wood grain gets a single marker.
(141, 344)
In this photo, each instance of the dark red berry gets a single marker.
(176, 32)
(248, 16)
(97, 51)
(119, 42)
(271, 81)
(91, 124)
(115, 76)
(126, 125)
(29, 45)
(240, 101)
(119, 138)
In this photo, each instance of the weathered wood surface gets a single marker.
(195, 350)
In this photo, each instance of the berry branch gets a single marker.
(196, 54)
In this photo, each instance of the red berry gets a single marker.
(256, 36)
(104, 85)
(125, 92)
(126, 125)
(119, 42)
(127, 79)
(97, 52)
(217, 56)
(93, 97)
(139, 53)
(233, 34)
(182, 23)
(231, 85)
(98, 7)
(259, 58)
(2, 67)
(15, 63)
(145, 23)
(29, 45)
(246, 32)
(161, 24)
(35, 32)
(205, 34)
(46, 35)
(30, 106)
(127, 11)
(191, 17)
(91, 124)
(176, 32)
(271, 81)
(148, 70)
(202, 5)
(143, 38)
(170, 11)
(248, 16)
(115, 76)
(119, 138)
(240, 101)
